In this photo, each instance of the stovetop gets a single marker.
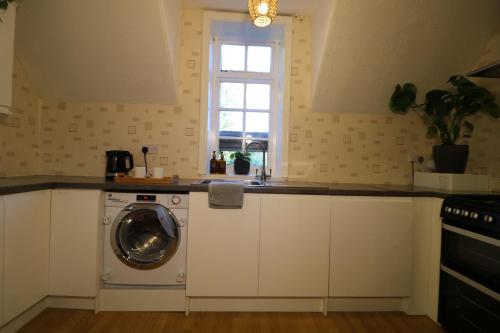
(480, 214)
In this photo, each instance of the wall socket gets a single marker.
(152, 148)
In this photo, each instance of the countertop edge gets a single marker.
(186, 188)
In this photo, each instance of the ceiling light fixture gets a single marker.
(262, 12)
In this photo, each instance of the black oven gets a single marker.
(469, 293)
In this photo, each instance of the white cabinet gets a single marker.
(75, 221)
(371, 247)
(426, 257)
(26, 251)
(223, 248)
(294, 246)
(6, 57)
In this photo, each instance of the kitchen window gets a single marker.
(245, 91)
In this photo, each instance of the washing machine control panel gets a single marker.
(145, 198)
(175, 200)
(169, 200)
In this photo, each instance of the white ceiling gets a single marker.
(285, 7)
(100, 51)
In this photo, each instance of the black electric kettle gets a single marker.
(119, 163)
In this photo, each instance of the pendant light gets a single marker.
(262, 12)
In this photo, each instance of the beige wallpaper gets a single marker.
(339, 147)
(19, 132)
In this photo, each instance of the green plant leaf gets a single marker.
(456, 133)
(446, 111)
(462, 84)
(240, 156)
(432, 131)
(492, 109)
(403, 98)
(439, 103)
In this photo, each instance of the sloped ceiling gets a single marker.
(372, 45)
(102, 51)
(127, 51)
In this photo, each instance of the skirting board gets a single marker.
(367, 304)
(61, 302)
(48, 302)
(141, 300)
(15, 324)
(256, 304)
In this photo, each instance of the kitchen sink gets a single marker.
(245, 182)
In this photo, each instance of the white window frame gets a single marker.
(271, 78)
(280, 91)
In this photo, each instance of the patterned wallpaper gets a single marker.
(76, 135)
(19, 132)
(333, 147)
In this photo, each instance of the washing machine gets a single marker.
(145, 239)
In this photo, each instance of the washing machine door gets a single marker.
(145, 236)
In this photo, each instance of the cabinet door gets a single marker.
(26, 246)
(6, 57)
(371, 252)
(426, 257)
(223, 248)
(294, 246)
(75, 218)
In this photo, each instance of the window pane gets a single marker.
(230, 145)
(258, 96)
(231, 123)
(232, 57)
(257, 123)
(255, 151)
(231, 95)
(259, 59)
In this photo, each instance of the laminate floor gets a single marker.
(74, 321)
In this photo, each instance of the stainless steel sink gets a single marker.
(256, 183)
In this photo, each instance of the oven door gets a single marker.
(472, 255)
(469, 297)
(465, 306)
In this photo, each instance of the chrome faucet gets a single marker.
(263, 175)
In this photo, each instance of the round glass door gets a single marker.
(145, 236)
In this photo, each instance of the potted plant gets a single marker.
(445, 113)
(4, 4)
(241, 162)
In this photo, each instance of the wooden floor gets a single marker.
(64, 320)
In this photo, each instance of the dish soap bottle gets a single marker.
(222, 164)
(214, 164)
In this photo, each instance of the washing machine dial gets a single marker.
(107, 220)
(175, 200)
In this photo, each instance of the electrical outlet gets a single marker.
(152, 148)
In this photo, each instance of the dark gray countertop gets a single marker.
(11, 185)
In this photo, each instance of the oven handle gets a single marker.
(473, 235)
(471, 283)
